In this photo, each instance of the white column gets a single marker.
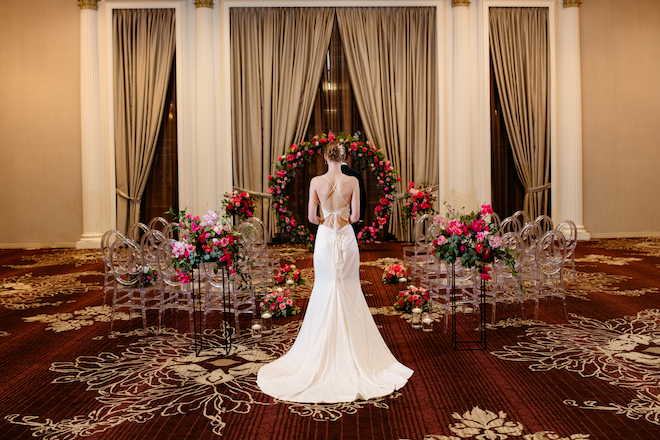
(571, 187)
(461, 193)
(205, 111)
(91, 128)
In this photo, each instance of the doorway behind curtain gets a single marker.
(335, 110)
(162, 190)
(507, 190)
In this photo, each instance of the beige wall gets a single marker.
(40, 165)
(620, 44)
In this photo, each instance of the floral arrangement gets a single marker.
(414, 297)
(288, 274)
(420, 201)
(470, 238)
(239, 204)
(395, 274)
(367, 156)
(147, 276)
(210, 239)
(280, 303)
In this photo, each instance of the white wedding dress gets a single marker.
(339, 354)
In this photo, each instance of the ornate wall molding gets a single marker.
(88, 4)
(572, 3)
(455, 3)
(204, 4)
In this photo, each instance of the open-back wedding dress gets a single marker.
(339, 354)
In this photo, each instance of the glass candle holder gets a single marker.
(266, 322)
(256, 328)
(427, 322)
(416, 318)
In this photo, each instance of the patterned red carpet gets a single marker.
(596, 376)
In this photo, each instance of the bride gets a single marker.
(339, 355)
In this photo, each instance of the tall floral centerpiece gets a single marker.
(210, 239)
(368, 156)
(471, 239)
(239, 204)
(419, 201)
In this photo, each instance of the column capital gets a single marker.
(572, 3)
(455, 3)
(204, 4)
(88, 4)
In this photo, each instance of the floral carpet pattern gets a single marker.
(483, 424)
(593, 376)
(623, 352)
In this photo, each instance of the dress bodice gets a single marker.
(343, 212)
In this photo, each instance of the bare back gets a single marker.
(335, 193)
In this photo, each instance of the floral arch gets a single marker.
(365, 154)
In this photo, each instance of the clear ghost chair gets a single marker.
(440, 292)
(467, 285)
(169, 231)
(176, 295)
(224, 289)
(551, 256)
(530, 235)
(568, 228)
(136, 230)
(522, 216)
(415, 257)
(269, 258)
(544, 223)
(126, 263)
(506, 288)
(107, 241)
(149, 245)
(253, 249)
(510, 224)
(158, 223)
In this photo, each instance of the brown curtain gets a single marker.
(162, 190)
(143, 51)
(277, 56)
(392, 61)
(507, 191)
(519, 49)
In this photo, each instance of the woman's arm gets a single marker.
(355, 202)
(312, 206)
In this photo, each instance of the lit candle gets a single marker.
(427, 320)
(417, 310)
(289, 282)
(256, 326)
(403, 279)
(266, 315)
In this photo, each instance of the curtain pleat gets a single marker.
(143, 51)
(519, 49)
(391, 56)
(277, 57)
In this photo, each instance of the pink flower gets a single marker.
(486, 277)
(331, 137)
(272, 307)
(282, 306)
(440, 240)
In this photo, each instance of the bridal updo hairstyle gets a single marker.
(334, 151)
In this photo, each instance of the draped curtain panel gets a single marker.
(392, 61)
(519, 50)
(277, 57)
(143, 51)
